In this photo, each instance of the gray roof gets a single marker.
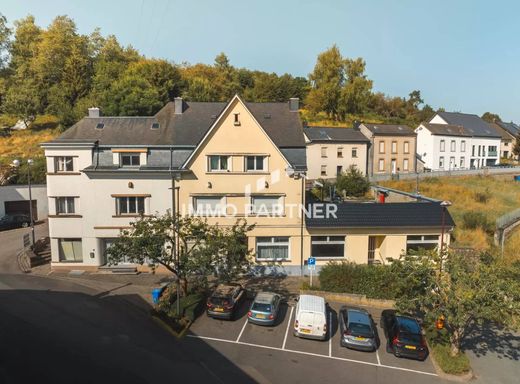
(511, 127)
(390, 129)
(504, 133)
(446, 129)
(324, 134)
(388, 215)
(472, 123)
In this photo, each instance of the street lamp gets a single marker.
(444, 206)
(175, 248)
(16, 164)
(291, 172)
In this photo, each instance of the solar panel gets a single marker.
(100, 126)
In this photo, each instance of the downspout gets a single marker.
(96, 146)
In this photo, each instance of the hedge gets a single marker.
(374, 281)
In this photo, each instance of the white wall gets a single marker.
(21, 192)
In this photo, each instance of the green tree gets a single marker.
(24, 48)
(203, 249)
(516, 147)
(22, 101)
(356, 92)
(353, 182)
(464, 291)
(132, 95)
(491, 117)
(5, 35)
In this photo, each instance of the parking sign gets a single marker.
(311, 261)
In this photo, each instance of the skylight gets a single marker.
(155, 125)
(100, 126)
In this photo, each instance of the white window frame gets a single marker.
(271, 243)
(462, 162)
(220, 168)
(453, 146)
(406, 147)
(381, 162)
(66, 204)
(61, 163)
(323, 170)
(406, 165)
(264, 163)
(354, 153)
(463, 146)
(442, 146)
(132, 156)
(340, 152)
(326, 242)
(323, 152)
(219, 210)
(381, 146)
(118, 199)
(272, 210)
(394, 146)
(422, 240)
(77, 258)
(441, 162)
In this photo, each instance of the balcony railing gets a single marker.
(492, 153)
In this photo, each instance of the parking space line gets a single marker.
(287, 330)
(377, 355)
(314, 354)
(330, 334)
(242, 331)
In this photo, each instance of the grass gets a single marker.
(440, 349)
(490, 196)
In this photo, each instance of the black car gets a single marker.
(14, 221)
(225, 301)
(404, 336)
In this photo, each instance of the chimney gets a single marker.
(179, 105)
(294, 104)
(356, 124)
(93, 112)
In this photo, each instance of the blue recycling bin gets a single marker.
(156, 294)
(517, 178)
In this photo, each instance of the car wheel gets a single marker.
(25, 224)
(396, 354)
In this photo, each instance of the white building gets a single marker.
(453, 140)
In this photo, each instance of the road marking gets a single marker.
(242, 331)
(330, 334)
(377, 355)
(287, 330)
(313, 354)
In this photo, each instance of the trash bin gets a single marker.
(517, 178)
(156, 294)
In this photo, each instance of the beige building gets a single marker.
(509, 133)
(331, 151)
(228, 161)
(392, 148)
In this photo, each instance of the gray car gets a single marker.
(264, 308)
(357, 329)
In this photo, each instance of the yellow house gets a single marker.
(224, 161)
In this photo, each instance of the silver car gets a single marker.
(357, 329)
(264, 308)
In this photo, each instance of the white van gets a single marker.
(310, 320)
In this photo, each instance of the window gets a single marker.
(129, 205)
(340, 152)
(208, 205)
(441, 162)
(237, 120)
(272, 248)
(156, 125)
(442, 146)
(64, 205)
(323, 151)
(452, 162)
(354, 153)
(70, 250)
(381, 165)
(479, 147)
(130, 159)
(492, 150)
(255, 163)
(339, 170)
(324, 170)
(453, 146)
(381, 147)
(264, 205)
(218, 163)
(405, 164)
(473, 151)
(63, 164)
(394, 146)
(463, 146)
(328, 246)
(462, 162)
(406, 147)
(416, 242)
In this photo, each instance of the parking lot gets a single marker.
(279, 339)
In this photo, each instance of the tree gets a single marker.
(356, 92)
(22, 101)
(491, 117)
(516, 147)
(5, 35)
(353, 183)
(463, 290)
(203, 249)
(132, 96)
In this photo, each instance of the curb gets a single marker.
(169, 329)
(447, 376)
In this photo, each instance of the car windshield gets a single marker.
(215, 300)
(412, 338)
(261, 307)
(359, 329)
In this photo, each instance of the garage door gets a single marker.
(21, 206)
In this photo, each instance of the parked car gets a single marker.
(404, 336)
(310, 320)
(18, 220)
(357, 329)
(225, 301)
(264, 309)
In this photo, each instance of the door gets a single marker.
(21, 206)
(371, 249)
(394, 166)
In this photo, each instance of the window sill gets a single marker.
(64, 216)
(71, 173)
(70, 261)
(131, 215)
(271, 260)
(318, 258)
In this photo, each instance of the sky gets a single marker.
(463, 55)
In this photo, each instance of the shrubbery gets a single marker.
(353, 182)
(374, 281)
(474, 220)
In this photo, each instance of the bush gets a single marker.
(483, 197)
(440, 348)
(374, 281)
(474, 220)
(353, 183)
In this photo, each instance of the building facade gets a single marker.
(332, 151)
(392, 148)
(509, 132)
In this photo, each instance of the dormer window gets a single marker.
(130, 159)
(237, 120)
(156, 125)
